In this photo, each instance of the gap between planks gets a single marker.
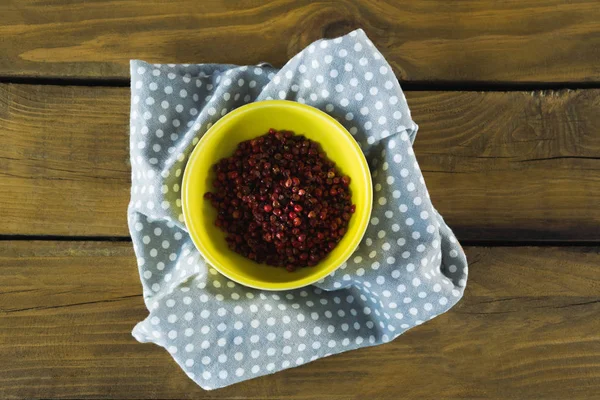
(469, 243)
(410, 86)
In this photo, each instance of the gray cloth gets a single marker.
(408, 268)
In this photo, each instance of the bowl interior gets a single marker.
(220, 141)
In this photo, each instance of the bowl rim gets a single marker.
(192, 229)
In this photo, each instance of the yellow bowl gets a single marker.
(220, 141)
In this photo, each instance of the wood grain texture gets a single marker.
(485, 41)
(512, 166)
(64, 147)
(527, 328)
(499, 166)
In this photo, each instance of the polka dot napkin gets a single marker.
(408, 269)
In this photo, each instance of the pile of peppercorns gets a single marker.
(281, 201)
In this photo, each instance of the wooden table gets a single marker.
(508, 102)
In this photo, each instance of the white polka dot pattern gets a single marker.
(408, 269)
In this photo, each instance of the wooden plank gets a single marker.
(481, 41)
(512, 166)
(499, 166)
(64, 163)
(527, 328)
